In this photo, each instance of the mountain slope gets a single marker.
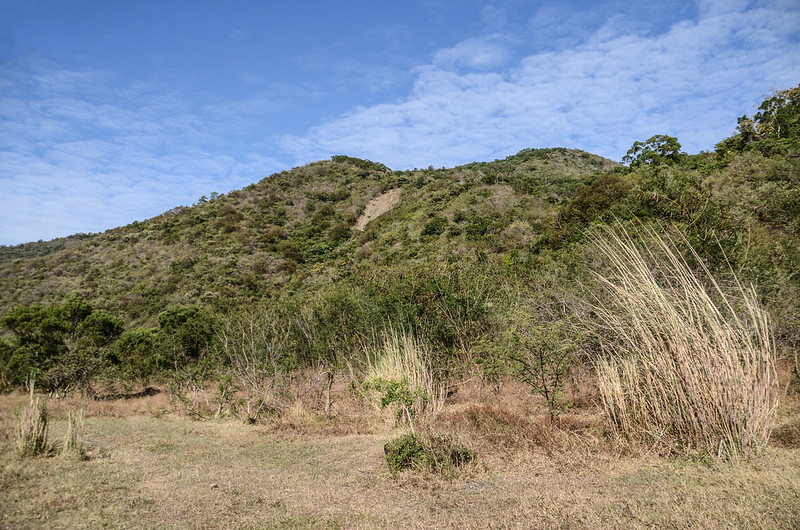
(297, 229)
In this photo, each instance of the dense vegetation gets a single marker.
(489, 266)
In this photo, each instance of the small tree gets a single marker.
(330, 326)
(255, 347)
(540, 354)
(779, 115)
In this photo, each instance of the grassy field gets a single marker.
(148, 467)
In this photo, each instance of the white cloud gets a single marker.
(615, 86)
(84, 164)
(479, 54)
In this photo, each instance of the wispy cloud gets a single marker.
(614, 85)
(486, 53)
(79, 154)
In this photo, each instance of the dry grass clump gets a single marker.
(74, 446)
(687, 367)
(511, 422)
(31, 434)
(400, 371)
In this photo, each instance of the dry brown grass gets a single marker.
(31, 429)
(402, 357)
(688, 367)
(300, 470)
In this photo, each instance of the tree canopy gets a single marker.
(657, 150)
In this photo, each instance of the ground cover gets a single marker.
(150, 467)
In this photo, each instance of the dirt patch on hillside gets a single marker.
(377, 207)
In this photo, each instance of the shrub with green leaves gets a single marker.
(441, 454)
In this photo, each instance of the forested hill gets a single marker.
(296, 231)
(451, 255)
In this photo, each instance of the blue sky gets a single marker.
(115, 111)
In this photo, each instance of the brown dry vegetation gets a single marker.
(152, 467)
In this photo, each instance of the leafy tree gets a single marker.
(136, 353)
(186, 333)
(779, 115)
(775, 127)
(657, 150)
(39, 333)
(329, 327)
(65, 345)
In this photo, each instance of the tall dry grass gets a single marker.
(402, 357)
(687, 367)
(74, 441)
(31, 436)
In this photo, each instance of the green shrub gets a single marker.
(434, 227)
(441, 454)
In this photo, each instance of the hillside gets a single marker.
(297, 229)
(664, 292)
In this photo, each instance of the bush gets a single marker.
(440, 454)
(434, 227)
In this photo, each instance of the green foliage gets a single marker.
(186, 333)
(657, 150)
(41, 248)
(434, 227)
(540, 354)
(330, 324)
(774, 129)
(395, 392)
(66, 345)
(441, 454)
(595, 199)
(7, 372)
(137, 354)
(779, 116)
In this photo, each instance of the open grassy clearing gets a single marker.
(152, 469)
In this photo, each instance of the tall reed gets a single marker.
(687, 366)
(403, 358)
(31, 435)
(74, 446)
